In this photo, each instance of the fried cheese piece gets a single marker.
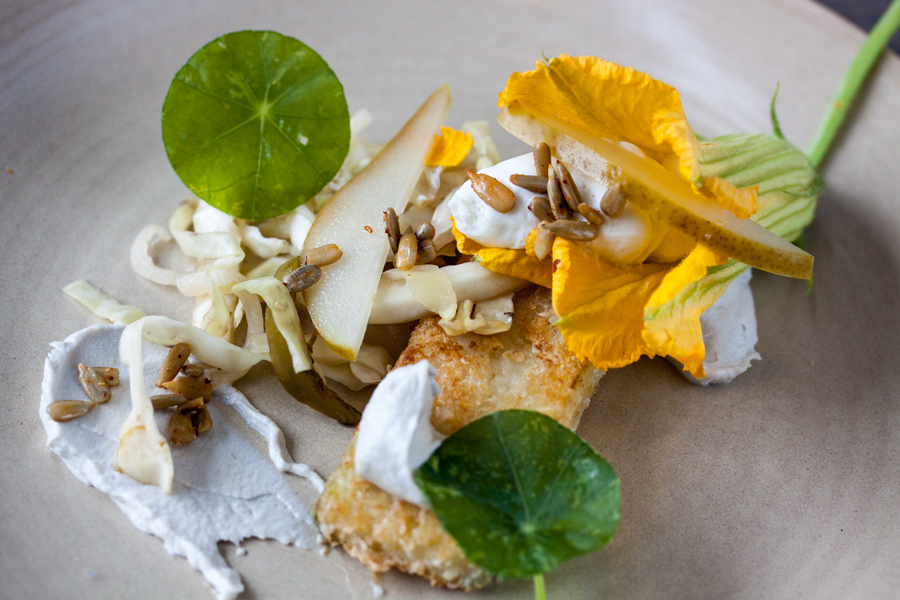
(527, 367)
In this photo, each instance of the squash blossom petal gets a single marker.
(611, 315)
(449, 149)
(518, 263)
(622, 104)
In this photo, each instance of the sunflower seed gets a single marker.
(93, 384)
(427, 253)
(541, 154)
(109, 375)
(162, 401)
(202, 421)
(532, 183)
(392, 228)
(590, 214)
(323, 255)
(190, 387)
(407, 252)
(192, 405)
(492, 192)
(425, 232)
(181, 429)
(555, 197)
(66, 410)
(176, 358)
(613, 201)
(193, 370)
(301, 278)
(569, 190)
(540, 208)
(543, 241)
(575, 231)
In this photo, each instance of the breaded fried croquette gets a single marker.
(527, 367)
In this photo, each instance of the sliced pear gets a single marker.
(341, 301)
(663, 194)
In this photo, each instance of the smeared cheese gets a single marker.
(478, 221)
(729, 334)
(224, 490)
(395, 433)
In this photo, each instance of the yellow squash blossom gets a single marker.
(612, 314)
(622, 104)
(449, 149)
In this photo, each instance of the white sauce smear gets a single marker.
(224, 490)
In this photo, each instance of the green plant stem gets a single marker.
(869, 52)
(540, 593)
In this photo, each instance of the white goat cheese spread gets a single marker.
(479, 222)
(224, 489)
(624, 239)
(395, 432)
(729, 334)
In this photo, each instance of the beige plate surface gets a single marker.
(781, 485)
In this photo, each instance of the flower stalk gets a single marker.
(849, 87)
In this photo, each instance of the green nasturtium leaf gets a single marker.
(520, 493)
(256, 124)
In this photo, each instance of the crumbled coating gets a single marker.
(527, 367)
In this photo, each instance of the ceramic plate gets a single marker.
(783, 484)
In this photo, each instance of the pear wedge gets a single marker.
(340, 302)
(663, 194)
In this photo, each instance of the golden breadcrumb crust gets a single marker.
(527, 367)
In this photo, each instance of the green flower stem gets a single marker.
(869, 52)
(540, 593)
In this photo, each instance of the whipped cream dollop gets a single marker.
(224, 489)
(395, 432)
(625, 239)
(729, 334)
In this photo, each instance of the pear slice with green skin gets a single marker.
(665, 195)
(305, 386)
(340, 302)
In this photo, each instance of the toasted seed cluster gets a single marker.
(95, 382)
(412, 247)
(189, 394)
(563, 213)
